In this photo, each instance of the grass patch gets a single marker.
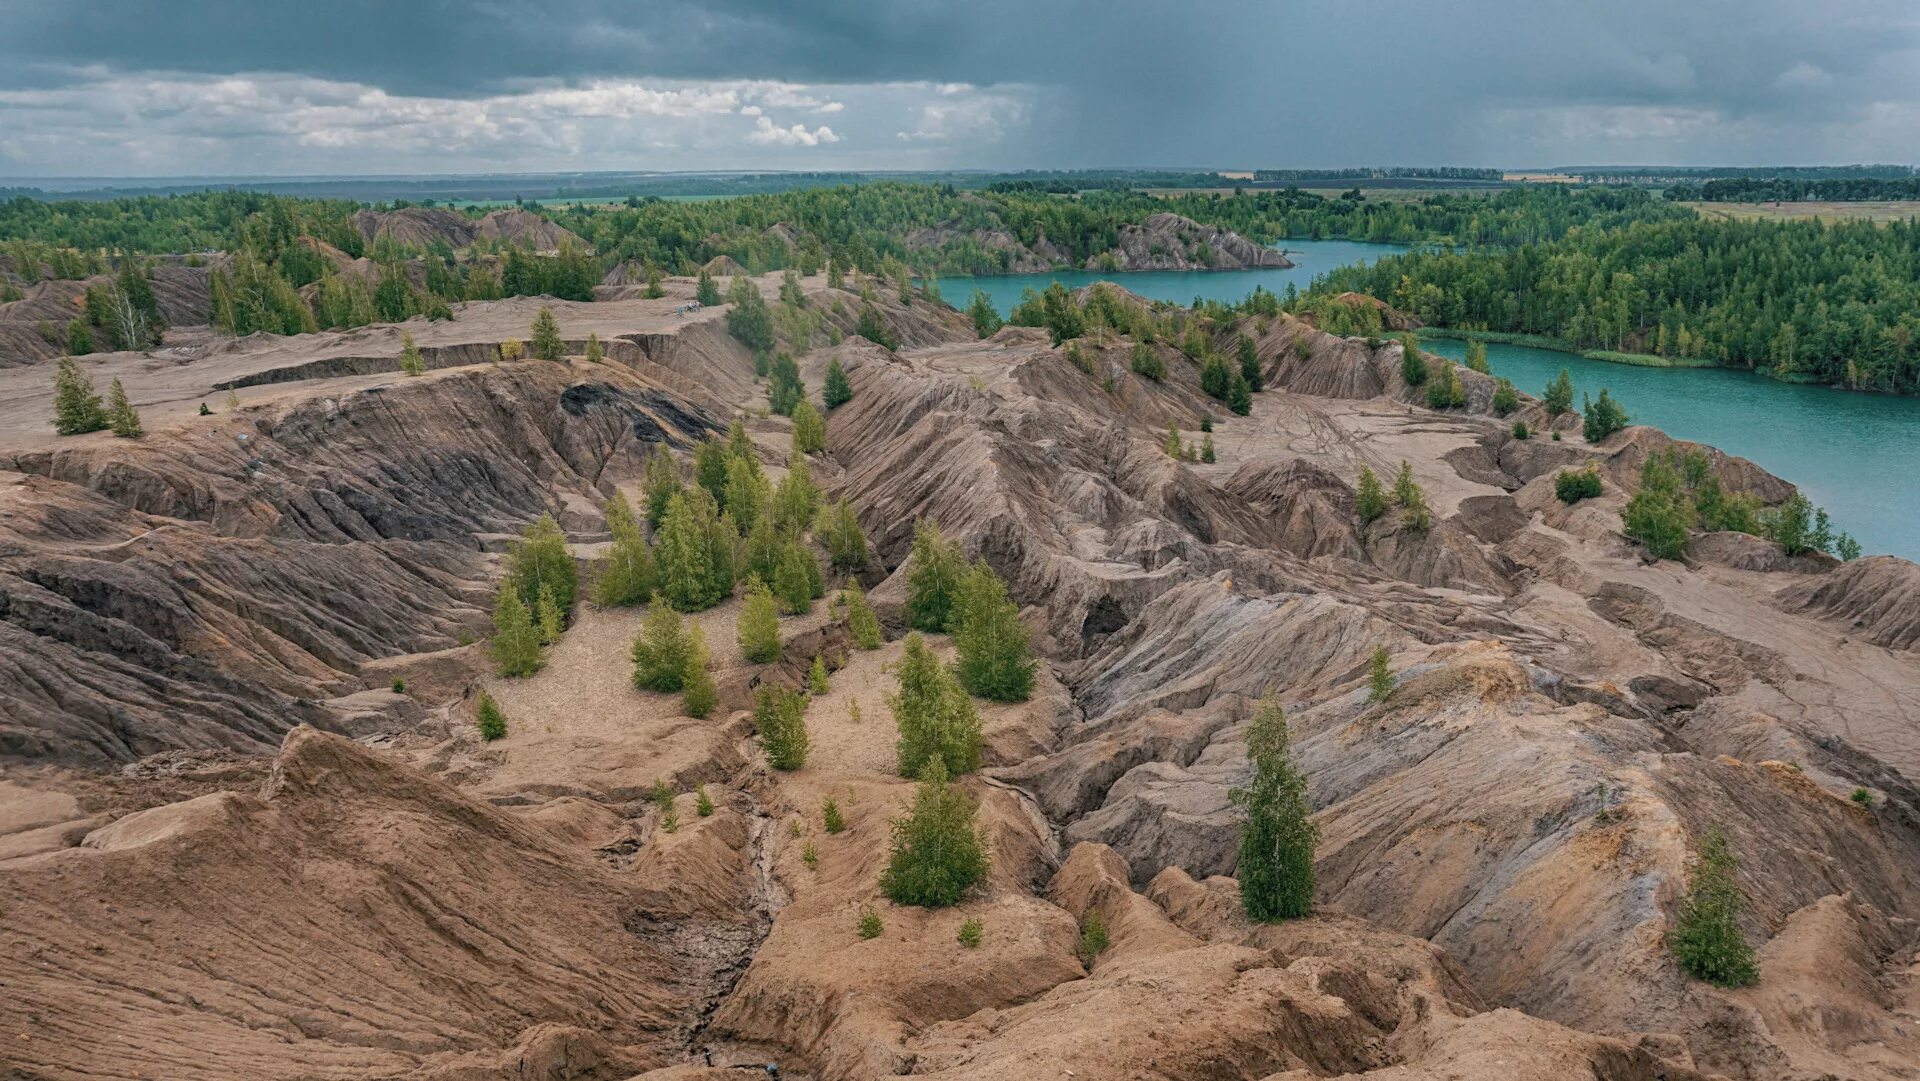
(1561, 345)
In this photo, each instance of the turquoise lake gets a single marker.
(1857, 455)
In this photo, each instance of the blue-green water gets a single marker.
(1311, 258)
(1858, 455)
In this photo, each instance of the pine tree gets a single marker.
(937, 853)
(1239, 396)
(780, 716)
(758, 629)
(809, 431)
(539, 563)
(831, 818)
(654, 289)
(120, 414)
(1250, 365)
(493, 722)
(817, 677)
(793, 578)
(545, 342)
(1207, 453)
(795, 499)
(837, 391)
(739, 444)
(1477, 356)
(79, 338)
(1707, 940)
(861, 622)
(706, 290)
(1369, 501)
(1559, 397)
(759, 552)
(682, 557)
(76, 408)
(1413, 370)
(933, 577)
(702, 803)
(748, 493)
(994, 660)
(516, 642)
(838, 531)
(1505, 398)
(1277, 835)
(1380, 681)
(986, 318)
(411, 362)
(595, 351)
(710, 461)
(1404, 489)
(551, 623)
(1171, 444)
(627, 577)
(1661, 514)
(698, 694)
(936, 719)
(663, 651)
(1417, 517)
(1602, 418)
(661, 484)
(1215, 376)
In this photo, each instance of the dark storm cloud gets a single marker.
(1061, 83)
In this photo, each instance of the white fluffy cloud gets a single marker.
(767, 133)
(171, 123)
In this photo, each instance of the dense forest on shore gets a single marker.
(1834, 303)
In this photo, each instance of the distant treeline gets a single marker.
(1655, 174)
(1313, 176)
(1792, 190)
(615, 187)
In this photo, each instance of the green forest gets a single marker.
(1609, 268)
(1833, 303)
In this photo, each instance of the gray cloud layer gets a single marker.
(127, 87)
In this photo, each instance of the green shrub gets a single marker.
(1505, 398)
(993, 643)
(830, 816)
(780, 716)
(1573, 485)
(516, 641)
(934, 570)
(1093, 939)
(1146, 362)
(861, 622)
(1369, 499)
(971, 933)
(759, 628)
(493, 722)
(1559, 396)
(662, 651)
(1661, 513)
(837, 391)
(936, 719)
(1603, 417)
(702, 803)
(1380, 681)
(1277, 835)
(545, 342)
(76, 408)
(937, 853)
(399, 685)
(1706, 939)
(1862, 797)
(698, 695)
(1520, 430)
(870, 925)
(817, 676)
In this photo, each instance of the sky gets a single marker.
(135, 88)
